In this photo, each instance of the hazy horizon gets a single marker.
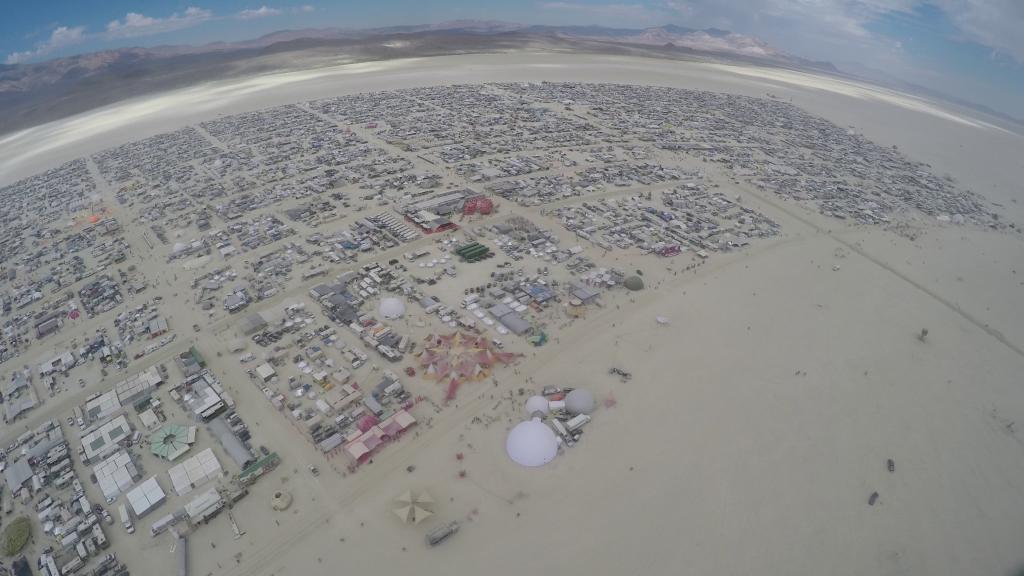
(967, 49)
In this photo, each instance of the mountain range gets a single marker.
(34, 93)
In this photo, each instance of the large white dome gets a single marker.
(531, 444)
(536, 404)
(392, 308)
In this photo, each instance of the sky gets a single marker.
(969, 49)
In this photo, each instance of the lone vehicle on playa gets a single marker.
(439, 535)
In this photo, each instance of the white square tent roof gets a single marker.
(115, 474)
(100, 440)
(137, 386)
(265, 371)
(123, 393)
(149, 419)
(146, 496)
(102, 406)
(194, 472)
(200, 505)
(17, 474)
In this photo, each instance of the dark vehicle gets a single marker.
(439, 535)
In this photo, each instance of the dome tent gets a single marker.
(579, 401)
(531, 443)
(634, 283)
(536, 404)
(392, 308)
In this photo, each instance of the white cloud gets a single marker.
(815, 29)
(60, 37)
(998, 24)
(135, 24)
(609, 14)
(844, 24)
(261, 12)
(305, 8)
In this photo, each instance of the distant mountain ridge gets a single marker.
(40, 92)
(27, 77)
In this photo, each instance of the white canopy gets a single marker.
(392, 308)
(531, 443)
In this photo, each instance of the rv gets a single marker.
(73, 566)
(126, 519)
(441, 534)
(577, 422)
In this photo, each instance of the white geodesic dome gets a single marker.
(392, 308)
(531, 443)
(536, 404)
(579, 401)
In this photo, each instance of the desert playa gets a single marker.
(836, 396)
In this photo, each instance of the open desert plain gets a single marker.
(795, 304)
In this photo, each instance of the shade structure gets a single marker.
(420, 514)
(413, 507)
(172, 441)
(580, 401)
(634, 283)
(391, 308)
(536, 404)
(531, 443)
(460, 357)
(404, 513)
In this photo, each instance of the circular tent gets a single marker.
(172, 441)
(531, 444)
(634, 283)
(536, 404)
(579, 401)
(392, 308)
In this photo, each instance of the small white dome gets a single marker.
(536, 404)
(392, 308)
(531, 444)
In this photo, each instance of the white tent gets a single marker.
(531, 443)
(392, 308)
(536, 404)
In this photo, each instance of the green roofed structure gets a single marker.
(258, 468)
(171, 441)
(474, 252)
